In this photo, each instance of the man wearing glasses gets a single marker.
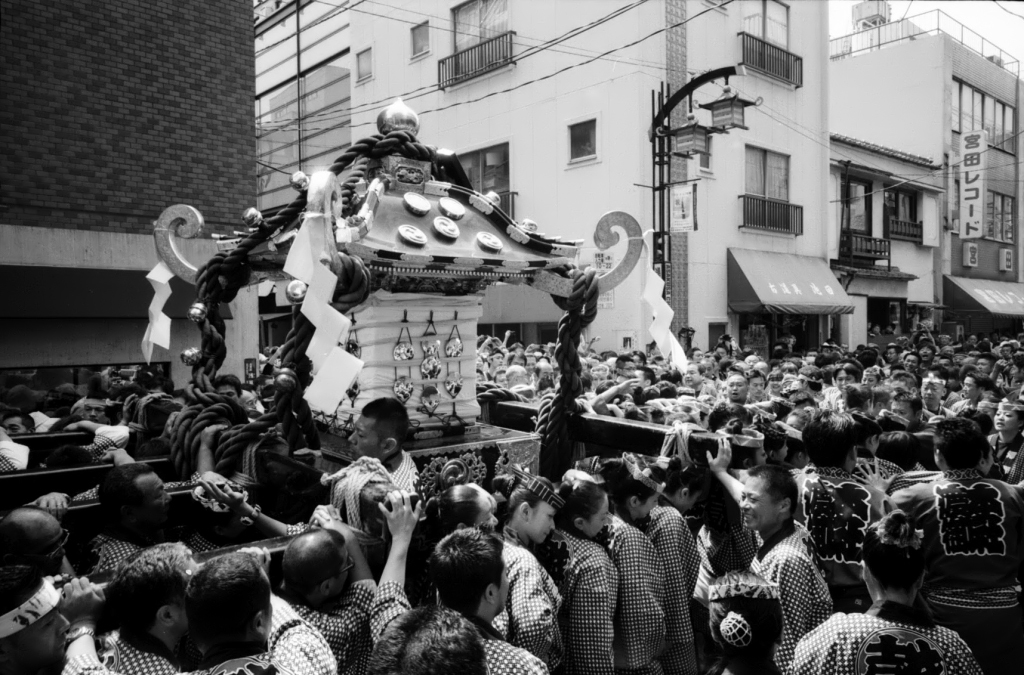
(31, 536)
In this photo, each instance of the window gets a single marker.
(583, 140)
(479, 20)
(955, 107)
(767, 174)
(857, 206)
(364, 64)
(705, 157)
(488, 170)
(420, 39)
(901, 205)
(999, 217)
(977, 110)
(769, 22)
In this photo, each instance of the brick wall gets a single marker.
(675, 62)
(113, 110)
(988, 260)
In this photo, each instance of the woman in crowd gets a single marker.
(746, 622)
(640, 615)
(677, 551)
(530, 617)
(1007, 441)
(590, 585)
(897, 629)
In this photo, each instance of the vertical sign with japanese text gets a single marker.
(681, 218)
(603, 262)
(972, 184)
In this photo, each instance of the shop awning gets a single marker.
(1001, 298)
(783, 283)
(82, 293)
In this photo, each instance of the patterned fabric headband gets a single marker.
(1006, 406)
(642, 475)
(42, 602)
(742, 585)
(750, 438)
(546, 494)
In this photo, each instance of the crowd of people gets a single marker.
(828, 511)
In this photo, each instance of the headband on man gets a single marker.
(742, 585)
(1006, 406)
(43, 601)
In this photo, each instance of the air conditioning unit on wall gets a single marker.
(970, 254)
(1006, 260)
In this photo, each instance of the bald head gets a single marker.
(311, 558)
(28, 531)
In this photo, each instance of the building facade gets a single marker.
(111, 113)
(919, 85)
(757, 263)
(884, 234)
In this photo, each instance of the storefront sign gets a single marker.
(602, 263)
(793, 289)
(970, 255)
(682, 217)
(249, 366)
(972, 184)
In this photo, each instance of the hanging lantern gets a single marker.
(727, 111)
(691, 139)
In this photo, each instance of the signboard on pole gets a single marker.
(972, 184)
(604, 261)
(681, 218)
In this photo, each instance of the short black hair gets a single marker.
(899, 447)
(145, 582)
(17, 584)
(829, 438)
(390, 417)
(26, 419)
(68, 455)
(119, 489)
(428, 640)
(916, 404)
(960, 442)
(778, 482)
(648, 372)
(223, 596)
(620, 482)
(230, 381)
(310, 557)
(463, 565)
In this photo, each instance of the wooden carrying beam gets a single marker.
(605, 434)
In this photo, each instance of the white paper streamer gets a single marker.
(661, 327)
(158, 332)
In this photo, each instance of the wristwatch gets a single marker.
(76, 633)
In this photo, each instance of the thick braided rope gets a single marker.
(488, 391)
(553, 414)
(220, 279)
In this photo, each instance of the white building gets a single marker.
(919, 85)
(757, 264)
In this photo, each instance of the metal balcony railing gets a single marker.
(483, 57)
(904, 230)
(855, 247)
(772, 60)
(761, 213)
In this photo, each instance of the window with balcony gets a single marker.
(765, 204)
(765, 39)
(900, 211)
(482, 41)
(488, 171)
(857, 206)
(999, 211)
(420, 39)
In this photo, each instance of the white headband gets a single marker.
(42, 602)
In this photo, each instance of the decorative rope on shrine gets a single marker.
(220, 279)
(488, 391)
(553, 415)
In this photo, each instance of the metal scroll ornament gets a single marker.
(430, 367)
(442, 473)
